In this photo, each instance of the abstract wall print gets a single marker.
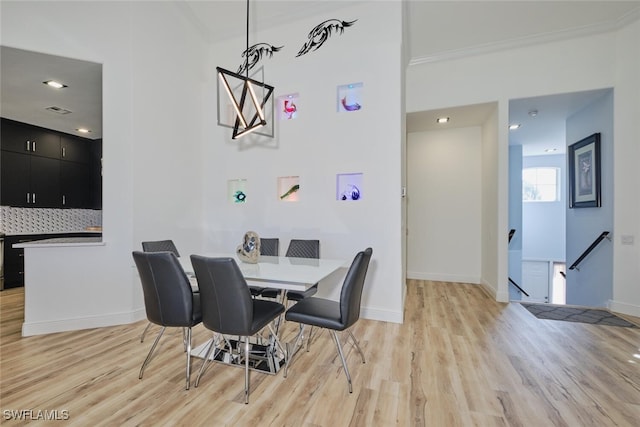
(321, 33)
(349, 97)
(584, 173)
(237, 191)
(349, 186)
(255, 53)
(287, 106)
(289, 188)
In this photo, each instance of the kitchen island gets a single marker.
(65, 287)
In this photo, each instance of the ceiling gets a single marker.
(469, 27)
(25, 98)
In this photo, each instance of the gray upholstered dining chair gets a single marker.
(168, 299)
(269, 246)
(335, 315)
(160, 246)
(157, 246)
(229, 309)
(298, 248)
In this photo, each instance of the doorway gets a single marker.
(551, 233)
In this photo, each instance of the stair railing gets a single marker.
(511, 233)
(600, 238)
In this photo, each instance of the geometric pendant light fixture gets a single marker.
(248, 97)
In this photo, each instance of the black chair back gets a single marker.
(168, 298)
(303, 248)
(160, 246)
(227, 306)
(351, 293)
(269, 246)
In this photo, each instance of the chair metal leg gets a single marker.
(344, 362)
(153, 347)
(145, 331)
(309, 338)
(293, 349)
(355, 341)
(188, 358)
(246, 370)
(205, 363)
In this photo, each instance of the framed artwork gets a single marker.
(289, 188)
(349, 97)
(584, 173)
(237, 190)
(288, 106)
(348, 186)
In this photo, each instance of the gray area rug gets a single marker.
(572, 314)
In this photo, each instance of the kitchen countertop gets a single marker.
(62, 241)
(52, 233)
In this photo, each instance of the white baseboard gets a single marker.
(439, 277)
(381, 315)
(624, 308)
(63, 325)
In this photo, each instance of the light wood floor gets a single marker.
(460, 359)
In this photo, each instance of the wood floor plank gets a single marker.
(459, 359)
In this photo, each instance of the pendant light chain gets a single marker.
(246, 52)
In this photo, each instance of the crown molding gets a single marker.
(532, 40)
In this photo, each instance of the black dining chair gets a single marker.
(160, 246)
(335, 315)
(269, 246)
(229, 309)
(298, 248)
(168, 299)
(157, 246)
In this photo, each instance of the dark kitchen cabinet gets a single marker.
(16, 186)
(75, 149)
(75, 185)
(30, 181)
(59, 171)
(24, 138)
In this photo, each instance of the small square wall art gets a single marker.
(287, 106)
(348, 186)
(289, 188)
(349, 97)
(237, 190)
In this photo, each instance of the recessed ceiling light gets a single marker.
(514, 127)
(442, 119)
(55, 84)
(83, 130)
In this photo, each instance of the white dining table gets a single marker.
(283, 273)
(286, 273)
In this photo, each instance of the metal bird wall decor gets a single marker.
(321, 33)
(254, 54)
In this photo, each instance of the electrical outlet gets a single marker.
(626, 239)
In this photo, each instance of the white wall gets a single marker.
(316, 146)
(150, 183)
(585, 63)
(626, 174)
(544, 223)
(590, 283)
(444, 204)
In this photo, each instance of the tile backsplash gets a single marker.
(45, 220)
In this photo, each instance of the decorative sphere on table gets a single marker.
(249, 250)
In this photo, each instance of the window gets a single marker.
(540, 184)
